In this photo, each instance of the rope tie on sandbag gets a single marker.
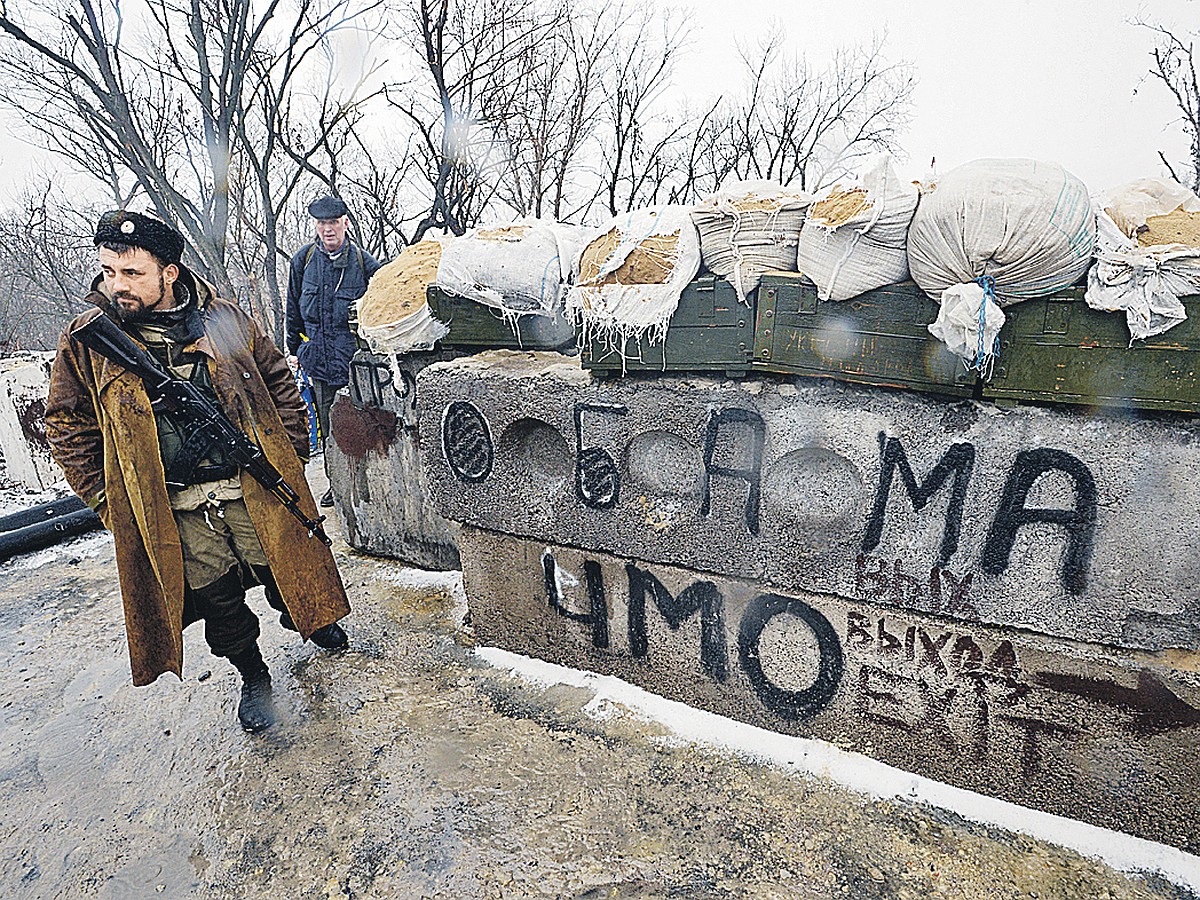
(984, 355)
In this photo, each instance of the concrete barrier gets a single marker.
(374, 466)
(24, 383)
(1000, 598)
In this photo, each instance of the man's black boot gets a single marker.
(331, 637)
(255, 710)
(327, 499)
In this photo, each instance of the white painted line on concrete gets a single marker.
(856, 772)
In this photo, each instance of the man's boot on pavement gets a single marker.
(327, 498)
(255, 710)
(331, 637)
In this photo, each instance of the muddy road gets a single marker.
(408, 767)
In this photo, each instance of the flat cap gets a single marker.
(328, 208)
(119, 226)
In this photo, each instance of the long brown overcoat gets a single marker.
(102, 433)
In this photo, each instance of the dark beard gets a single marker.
(142, 313)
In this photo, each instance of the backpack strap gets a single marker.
(312, 248)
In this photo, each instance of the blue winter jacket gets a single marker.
(320, 291)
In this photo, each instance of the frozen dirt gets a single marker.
(408, 767)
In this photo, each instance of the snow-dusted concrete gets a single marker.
(1000, 599)
(374, 466)
(24, 382)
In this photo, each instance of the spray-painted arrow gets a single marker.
(1155, 707)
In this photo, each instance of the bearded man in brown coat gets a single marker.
(191, 531)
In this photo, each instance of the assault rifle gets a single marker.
(102, 335)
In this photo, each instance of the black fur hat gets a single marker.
(119, 226)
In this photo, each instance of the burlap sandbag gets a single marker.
(518, 269)
(748, 228)
(630, 275)
(855, 235)
(393, 314)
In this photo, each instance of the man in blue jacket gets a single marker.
(324, 279)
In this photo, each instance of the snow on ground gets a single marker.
(83, 546)
(806, 756)
(15, 497)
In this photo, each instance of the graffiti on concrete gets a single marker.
(371, 379)
(968, 694)
(361, 430)
(1153, 706)
(945, 685)
(701, 596)
(790, 704)
(704, 598)
(734, 440)
(1079, 523)
(596, 618)
(888, 581)
(597, 478)
(467, 442)
(753, 432)
(958, 461)
(32, 420)
(1012, 514)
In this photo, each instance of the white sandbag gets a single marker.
(969, 323)
(393, 315)
(519, 268)
(750, 227)
(1131, 205)
(630, 274)
(855, 236)
(1144, 282)
(1028, 225)
(417, 331)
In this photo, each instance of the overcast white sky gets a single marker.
(1061, 80)
(1047, 79)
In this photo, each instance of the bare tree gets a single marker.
(553, 131)
(172, 106)
(478, 56)
(46, 262)
(1175, 67)
(807, 127)
(640, 157)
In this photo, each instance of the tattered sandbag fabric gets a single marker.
(393, 314)
(660, 247)
(1145, 280)
(847, 255)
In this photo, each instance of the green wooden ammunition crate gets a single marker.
(711, 331)
(479, 325)
(1058, 349)
(360, 343)
(880, 337)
